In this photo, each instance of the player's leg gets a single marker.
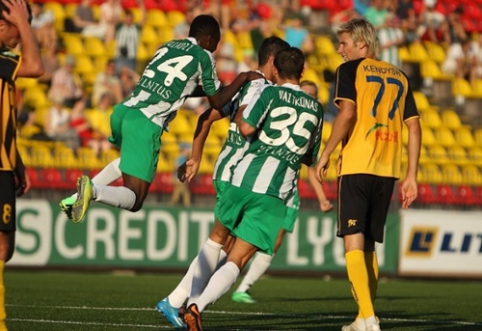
(106, 176)
(7, 233)
(138, 163)
(352, 218)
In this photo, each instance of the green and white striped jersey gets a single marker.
(171, 76)
(289, 124)
(233, 146)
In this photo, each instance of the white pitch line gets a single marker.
(224, 312)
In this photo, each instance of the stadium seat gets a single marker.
(421, 101)
(445, 137)
(430, 174)
(475, 155)
(438, 154)
(220, 128)
(94, 47)
(445, 195)
(428, 138)
(324, 45)
(457, 155)
(84, 65)
(64, 157)
(73, 44)
(143, 54)
(478, 137)
(36, 97)
(464, 137)
(59, 14)
(404, 54)
(461, 87)
(418, 53)
(431, 118)
(425, 194)
(23, 83)
(165, 34)
(451, 174)
(180, 126)
(430, 68)
(175, 17)
(477, 88)
(156, 18)
(86, 159)
(465, 196)
(451, 119)
(471, 175)
(435, 52)
(70, 10)
(149, 35)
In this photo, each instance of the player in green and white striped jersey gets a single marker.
(231, 151)
(138, 122)
(283, 125)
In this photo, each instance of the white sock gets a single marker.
(219, 284)
(183, 289)
(207, 260)
(119, 196)
(258, 267)
(109, 174)
(223, 257)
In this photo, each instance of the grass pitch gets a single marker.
(38, 301)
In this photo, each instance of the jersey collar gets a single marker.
(192, 40)
(292, 86)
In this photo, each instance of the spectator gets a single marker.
(376, 13)
(66, 84)
(57, 124)
(225, 62)
(51, 64)
(298, 36)
(88, 136)
(391, 37)
(29, 128)
(43, 25)
(181, 189)
(102, 115)
(181, 30)
(127, 40)
(110, 16)
(460, 60)
(85, 23)
(107, 81)
(129, 79)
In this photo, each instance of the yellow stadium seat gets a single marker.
(73, 44)
(244, 39)
(334, 61)
(332, 171)
(404, 54)
(143, 54)
(324, 45)
(175, 17)
(421, 101)
(95, 47)
(435, 52)
(431, 118)
(206, 166)
(418, 53)
(451, 174)
(430, 68)
(83, 65)
(220, 128)
(475, 155)
(471, 175)
(149, 35)
(36, 97)
(59, 14)
(478, 136)
(457, 155)
(41, 156)
(109, 156)
(326, 131)
(431, 174)
(70, 10)
(25, 83)
(166, 33)
(323, 94)
(310, 74)
(423, 155)
(451, 119)
(461, 87)
(445, 137)
(477, 87)
(438, 155)
(64, 157)
(156, 17)
(464, 137)
(86, 159)
(428, 138)
(137, 15)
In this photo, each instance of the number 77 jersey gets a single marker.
(288, 123)
(383, 101)
(170, 77)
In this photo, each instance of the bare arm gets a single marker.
(31, 65)
(244, 128)
(409, 186)
(325, 204)
(225, 94)
(190, 169)
(342, 124)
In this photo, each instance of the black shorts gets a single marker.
(363, 202)
(7, 201)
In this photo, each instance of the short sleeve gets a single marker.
(209, 75)
(259, 106)
(345, 82)
(9, 64)
(410, 106)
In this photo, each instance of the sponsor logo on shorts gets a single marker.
(351, 223)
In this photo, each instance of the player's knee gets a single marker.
(137, 206)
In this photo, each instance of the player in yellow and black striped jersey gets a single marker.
(374, 101)
(15, 17)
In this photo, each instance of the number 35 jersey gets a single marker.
(289, 124)
(383, 101)
(171, 76)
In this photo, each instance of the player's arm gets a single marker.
(31, 64)
(225, 94)
(325, 204)
(203, 127)
(411, 118)
(250, 115)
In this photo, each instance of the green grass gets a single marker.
(38, 300)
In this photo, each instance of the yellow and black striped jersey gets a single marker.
(383, 100)
(9, 64)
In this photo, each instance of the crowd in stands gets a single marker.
(94, 52)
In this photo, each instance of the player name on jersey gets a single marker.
(299, 102)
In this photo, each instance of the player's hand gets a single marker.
(252, 75)
(322, 167)
(409, 192)
(22, 183)
(326, 206)
(192, 167)
(18, 12)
